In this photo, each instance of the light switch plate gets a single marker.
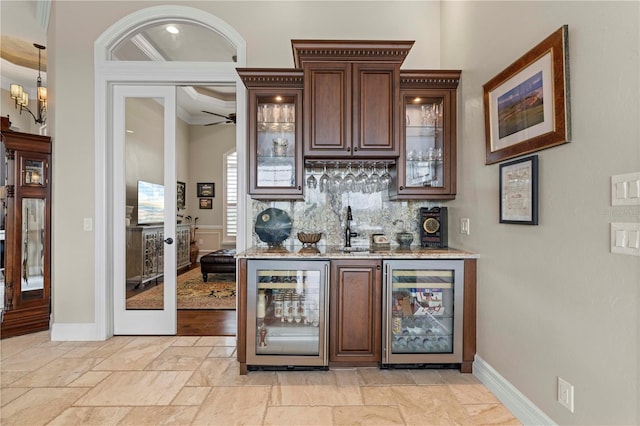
(625, 238)
(625, 189)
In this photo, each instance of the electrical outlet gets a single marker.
(464, 226)
(565, 394)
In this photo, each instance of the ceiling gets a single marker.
(191, 42)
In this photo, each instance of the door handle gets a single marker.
(169, 241)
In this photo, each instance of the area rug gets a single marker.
(219, 292)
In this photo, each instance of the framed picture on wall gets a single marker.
(181, 195)
(206, 203)
(206, 189)
(526, 106)
(519, 191)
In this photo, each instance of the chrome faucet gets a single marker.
(347, 232)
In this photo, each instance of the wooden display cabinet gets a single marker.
(426, 167)
(355, 312)
(351, 97)
(28, 232)
(276, 170)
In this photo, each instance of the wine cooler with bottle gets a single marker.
(423, 312)
(287, 312)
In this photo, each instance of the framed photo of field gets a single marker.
(526, 106)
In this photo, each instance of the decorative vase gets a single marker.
(193, 252)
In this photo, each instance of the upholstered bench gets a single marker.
(218, 262)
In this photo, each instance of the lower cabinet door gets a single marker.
(355, 312)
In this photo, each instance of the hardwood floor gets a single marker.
(206, 322)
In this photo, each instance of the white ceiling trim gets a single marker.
(147, 48)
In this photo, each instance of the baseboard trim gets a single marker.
(519, 405)
(75, 332)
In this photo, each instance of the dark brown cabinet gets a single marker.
(426, 167)
(351, 97)
(274, 133)
(27, 274)
(355, 305)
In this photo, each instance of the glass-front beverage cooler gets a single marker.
(423, 307)
(287, 305)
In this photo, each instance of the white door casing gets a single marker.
(108, 73)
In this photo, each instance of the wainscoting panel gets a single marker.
(209, 239)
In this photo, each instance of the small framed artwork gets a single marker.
(206, 189)
(526, 106)
(519, 191)
(181, 195)
(206, 203)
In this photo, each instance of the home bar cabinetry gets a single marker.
(274, 133)
(27, 304)
(351, 96)
(357, 303)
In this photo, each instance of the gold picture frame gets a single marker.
(526, 106)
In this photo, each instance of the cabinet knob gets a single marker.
(348, 149)
(355, 149)
(299, 187)
(401, 188)
(169, 241)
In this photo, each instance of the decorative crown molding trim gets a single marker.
(264, 77)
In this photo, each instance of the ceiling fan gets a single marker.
(231, 118)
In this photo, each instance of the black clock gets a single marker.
(433, 227)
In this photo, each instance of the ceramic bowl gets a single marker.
(404, 239)
(309, 237)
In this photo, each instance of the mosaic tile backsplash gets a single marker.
(324, 212)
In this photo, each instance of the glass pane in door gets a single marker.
(276, 143)
(424, 142)
(144, 209)
(32, 246)
(288, 312)
(422, 318)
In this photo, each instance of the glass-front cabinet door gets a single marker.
(427, 162)
(423, 315)
(287, 313)
(275, 133)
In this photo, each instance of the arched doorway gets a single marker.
(117, 64)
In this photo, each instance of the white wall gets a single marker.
(552, 300)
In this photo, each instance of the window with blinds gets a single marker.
(231, 195)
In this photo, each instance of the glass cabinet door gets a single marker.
(33, 245)
(426, 165)
(276, 145)
(286, 313)
(424, 311)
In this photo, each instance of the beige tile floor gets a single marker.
(194, 381)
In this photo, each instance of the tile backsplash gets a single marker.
(326, 213)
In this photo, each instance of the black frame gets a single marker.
(206, 203)
(206, 189)
(531, 188)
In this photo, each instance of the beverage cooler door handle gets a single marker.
(386, 302)
(326, 315)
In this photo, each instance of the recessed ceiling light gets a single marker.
(172, 29)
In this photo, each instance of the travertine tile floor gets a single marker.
(194, 381)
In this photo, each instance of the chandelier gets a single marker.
(21, 97)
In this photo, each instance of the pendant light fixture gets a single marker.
(21, 97)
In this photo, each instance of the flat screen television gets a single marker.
(150, 203)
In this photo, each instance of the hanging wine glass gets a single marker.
(385, 179)
(334, 181)
(374, 179)
(324, 179)
(348, 181)
(361, 179)
(312, 182)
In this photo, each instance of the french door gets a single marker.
(144, 209)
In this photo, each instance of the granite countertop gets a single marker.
(338, 252)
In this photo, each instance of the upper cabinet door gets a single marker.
(327, 109)
(274, 133)
(375, 112)
(426, 167)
